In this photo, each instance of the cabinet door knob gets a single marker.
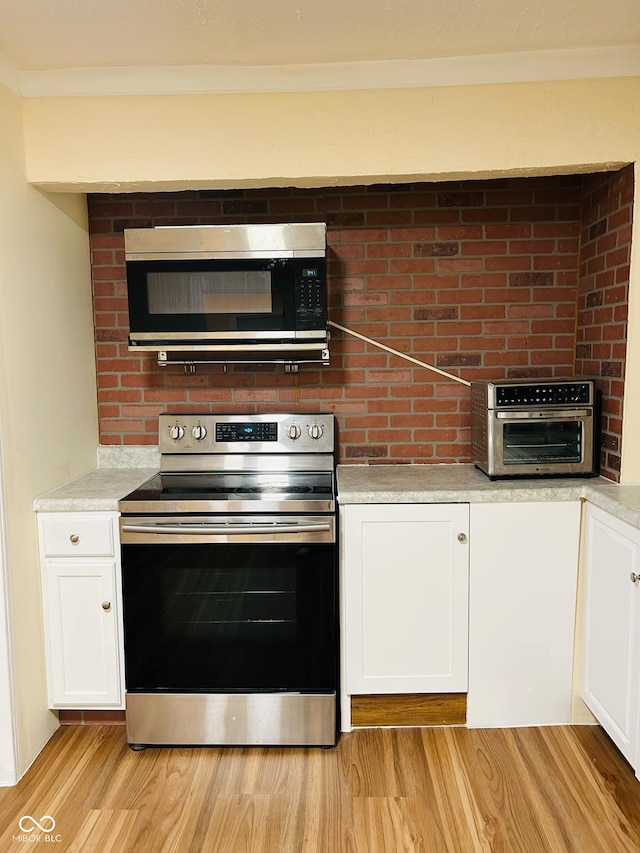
(634, 577)
(74, 539)
(462, 537)
(106, 605)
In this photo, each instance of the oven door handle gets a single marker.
(538, 414)
(211, 529)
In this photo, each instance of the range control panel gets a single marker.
(544, 394)
(247, 431)
(281, 433)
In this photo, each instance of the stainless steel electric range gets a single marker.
(229, 565)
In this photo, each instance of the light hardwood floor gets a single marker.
(380, 791)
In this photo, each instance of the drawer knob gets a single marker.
(74, 539)
(106, 605)
(634, 577)
(462, 537)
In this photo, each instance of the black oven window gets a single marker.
(542, 441)
(230, 618)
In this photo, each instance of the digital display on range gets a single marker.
(247, 432)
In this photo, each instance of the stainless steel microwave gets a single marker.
(231, 293)
(533, 427)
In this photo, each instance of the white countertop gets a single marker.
(358, 484)
(97, 491)
(120, 470)
(101, 489)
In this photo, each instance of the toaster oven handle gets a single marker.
(538, 414)
(212, 529)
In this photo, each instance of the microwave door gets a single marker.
(209, 299)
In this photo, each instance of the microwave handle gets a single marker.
(541, 414)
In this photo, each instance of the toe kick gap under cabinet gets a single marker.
(81, 588)
(405, 603)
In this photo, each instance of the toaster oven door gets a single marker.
(542, 442)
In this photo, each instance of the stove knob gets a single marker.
(293, 432)
(176, 432)
(315, 431)
(199, 432)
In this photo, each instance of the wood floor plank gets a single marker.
(390, 790)
(51, 785)
(608, 765)
(565, 771)
(459, 815)
(103, 829)
(515, 812)
(377, 765)
(400, 824)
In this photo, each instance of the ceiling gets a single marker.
(66, 37)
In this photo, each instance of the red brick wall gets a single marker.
(601, 337)
(478, 278)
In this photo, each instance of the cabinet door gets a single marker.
(522, 603)
(405, 578)
(611, 628)
(82, 634)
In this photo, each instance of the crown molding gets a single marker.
(537, 66)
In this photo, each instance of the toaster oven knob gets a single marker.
(293, 431)
(199, 432)
(315, 431)
(176, 432)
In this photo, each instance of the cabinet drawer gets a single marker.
(68, 536)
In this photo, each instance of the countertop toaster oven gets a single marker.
(533, 427)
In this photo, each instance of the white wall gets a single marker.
(48, 407)
(8, 730)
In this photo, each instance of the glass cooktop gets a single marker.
(212, 486)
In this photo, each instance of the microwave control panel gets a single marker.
(310, 293)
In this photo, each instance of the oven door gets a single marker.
(232, 299)
(229, 610)
(542, 442)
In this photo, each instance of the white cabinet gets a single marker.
(80, 564)
(405, 572)
(611, 628)
(522, 600)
